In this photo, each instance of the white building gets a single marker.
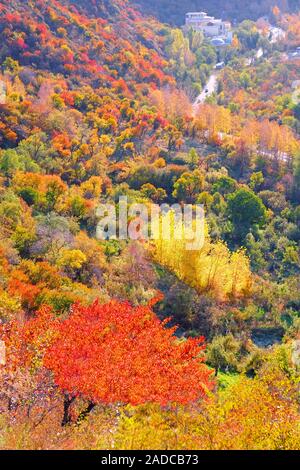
(210, 26)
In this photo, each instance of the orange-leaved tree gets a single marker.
(115, 353)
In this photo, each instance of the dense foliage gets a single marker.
(106, 337)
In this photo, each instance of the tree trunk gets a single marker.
(67, 403)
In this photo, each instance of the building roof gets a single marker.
(217, 41)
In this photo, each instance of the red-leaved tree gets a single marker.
(115, 353)
(111, 353)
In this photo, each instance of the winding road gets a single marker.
(211, 85)
(208, 90)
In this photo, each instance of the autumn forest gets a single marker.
(144, 344)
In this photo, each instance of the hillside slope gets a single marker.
(50, 51)
(65, 37)
(95, 104)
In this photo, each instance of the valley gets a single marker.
(131, 343)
